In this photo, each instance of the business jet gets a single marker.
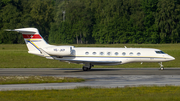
(90, 56)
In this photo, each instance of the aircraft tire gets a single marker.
(85, 68)
(162, 68)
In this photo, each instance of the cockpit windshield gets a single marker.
(160, 52)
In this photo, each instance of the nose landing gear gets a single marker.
(161, 66)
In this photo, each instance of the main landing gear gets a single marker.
(161, 66)
(87, 67)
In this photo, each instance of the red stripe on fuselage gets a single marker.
(32, 36)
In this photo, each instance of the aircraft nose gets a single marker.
(172, 58)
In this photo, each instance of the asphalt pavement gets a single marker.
(97, 77)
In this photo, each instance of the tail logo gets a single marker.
(32, 36)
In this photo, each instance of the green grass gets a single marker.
(143, 93)
(16, 56)
(36, 79)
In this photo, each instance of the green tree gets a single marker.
(42, 16)
(24, 13)
(149, 8)
(167, 20)
(10, 18)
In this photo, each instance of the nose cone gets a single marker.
(171, 58)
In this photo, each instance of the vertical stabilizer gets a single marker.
(33, 39)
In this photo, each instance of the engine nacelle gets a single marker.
(59, 50)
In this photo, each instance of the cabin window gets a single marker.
(131, 53)
(108, 53)
(138, 53)
(94, 53)
(87, 53)
(101, 53)
(116, 53)
(123, 53)
(159, 52)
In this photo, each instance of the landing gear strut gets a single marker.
(161, 66)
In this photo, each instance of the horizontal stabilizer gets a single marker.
(21, 30)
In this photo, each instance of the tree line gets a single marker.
(93, 21)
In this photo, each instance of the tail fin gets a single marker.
(33, 39)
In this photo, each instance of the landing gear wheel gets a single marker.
(85, 68)
(162, 68)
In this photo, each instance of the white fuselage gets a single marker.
(115, 56)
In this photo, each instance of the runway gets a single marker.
(93, 71)
(97, 77)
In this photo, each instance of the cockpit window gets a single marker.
(159, 52)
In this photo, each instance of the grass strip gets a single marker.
(36, 79)
(143, 93)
